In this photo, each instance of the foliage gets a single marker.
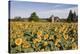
(17, 18)
(34, 17)
(72, 16)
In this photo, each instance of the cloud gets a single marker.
(62, 13)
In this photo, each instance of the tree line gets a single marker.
(72, 17)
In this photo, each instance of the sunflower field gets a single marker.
(42, 36)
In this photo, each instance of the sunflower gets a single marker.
(59, 36)
(58, 45)
(46, 36)
(55, 29)
(36, 40)
(26, 45)
(39, 33)
(74, 46)
(56, 42)
(51, 37)
(18, 41)
(39, 39)
(73, 39)
(65, 37)
(45, 44)
(74, 31)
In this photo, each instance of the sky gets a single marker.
(43, 10)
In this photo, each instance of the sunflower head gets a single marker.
(26, 45)
(18, 41)
(65, 37)
(45, 44)
(35, 41)
(39, 33)
(46, 36)
(56, 42)
(74, 46)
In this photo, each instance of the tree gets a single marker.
(75, 17)
(17, 18)
(34, 17)
(74, 14)
(70, 16)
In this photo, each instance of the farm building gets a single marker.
(54, 19)
(75, 18)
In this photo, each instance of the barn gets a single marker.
(54, 19)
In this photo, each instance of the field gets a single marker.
(39, 37)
